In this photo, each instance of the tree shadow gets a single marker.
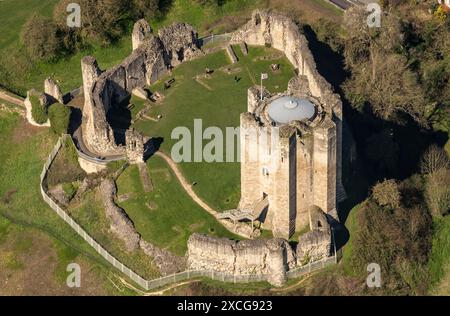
(152, 146)
(75, 120)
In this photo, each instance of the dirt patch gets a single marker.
(177, 229)
(231, 70)
(8, 196)
(203, 84)
(24, 131)
(124, 197)
(32, 270)
(152, 205)
(145, 178)
(196, 226)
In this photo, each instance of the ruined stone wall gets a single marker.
(121, 225)
(52, 89)
(324, 166)
(141, 30)
(180, 42)
(151, 58)
(269, 257)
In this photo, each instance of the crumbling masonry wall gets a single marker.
(151, 58)
(269, 257)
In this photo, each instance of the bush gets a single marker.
(59, 115)
(145, 9)
(386, 193)
(399, 240)
(38, 111)
(69, 190)
(42, 39)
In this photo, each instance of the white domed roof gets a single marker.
(286, 109)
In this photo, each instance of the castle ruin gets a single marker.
(289, 184)
(302, 168)
(152, 57)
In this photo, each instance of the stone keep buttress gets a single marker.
(291, 143)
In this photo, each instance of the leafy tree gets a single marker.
(42, 38)
(399, 241)
(435, 166)
(381, 75)
(145, 9)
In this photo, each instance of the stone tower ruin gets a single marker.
(291, 143)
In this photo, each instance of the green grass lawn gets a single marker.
(24, 151)
(167, 216)
(14, 14)
(220, 106)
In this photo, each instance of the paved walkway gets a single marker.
(11, 99)
(184, 183)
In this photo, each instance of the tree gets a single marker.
(102, 21)
(381, 76)
(145, 9)
(386, 193)
(437, 192)
(434, 159)
(42, 38)
(59, 115)
(434, 165)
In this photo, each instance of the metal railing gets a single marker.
(215, 38)
(173, 278)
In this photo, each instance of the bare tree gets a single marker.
(437, 192)
(434, 165)
(434, 159)
(380, 75)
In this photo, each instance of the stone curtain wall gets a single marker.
(151, 58)
(264, 257)
(177, 277)
(268, 28)
(173, 278)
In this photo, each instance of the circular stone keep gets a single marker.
(286, 109)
